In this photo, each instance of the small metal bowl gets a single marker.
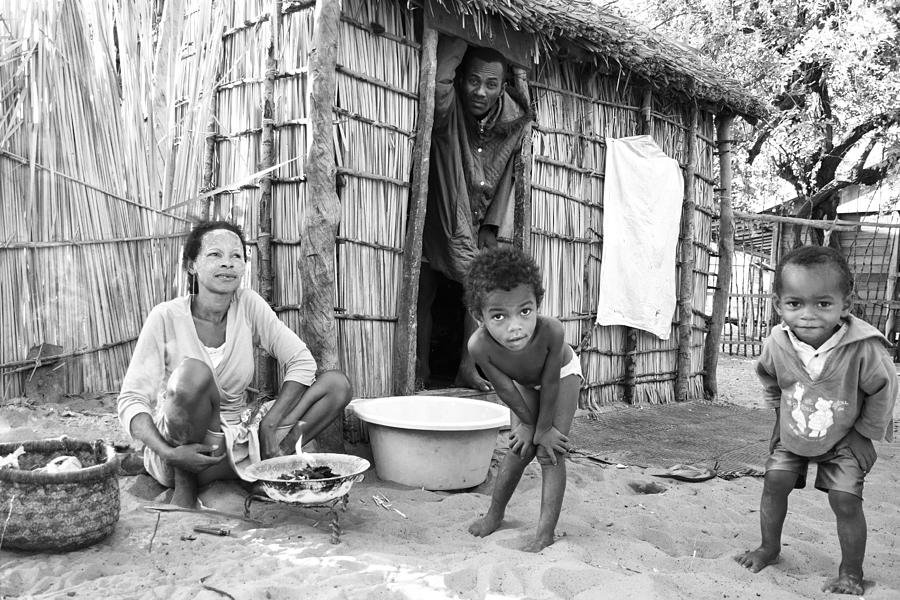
(349, 468)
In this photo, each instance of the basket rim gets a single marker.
(101, 471)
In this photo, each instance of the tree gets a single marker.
(829, 69)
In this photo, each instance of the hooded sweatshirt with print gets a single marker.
(856, 389)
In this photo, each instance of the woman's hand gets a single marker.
(192, 457)
(552, 441)
(268, 447)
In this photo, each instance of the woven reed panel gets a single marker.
(376, 110)
(577, 109)
(89, 175)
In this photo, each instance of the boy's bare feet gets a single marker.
(759, 559)
(538, 544)
(486, 525)
(845, 583)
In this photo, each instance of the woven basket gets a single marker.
(58, 511)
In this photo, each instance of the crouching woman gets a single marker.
(185, 394)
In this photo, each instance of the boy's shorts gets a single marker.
(573, 367)
(837, 469)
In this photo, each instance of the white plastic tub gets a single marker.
(435, 442)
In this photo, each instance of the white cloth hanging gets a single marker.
(642, 203)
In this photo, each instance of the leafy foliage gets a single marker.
(829, 69)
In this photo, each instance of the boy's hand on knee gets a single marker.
(862, 448)
(520, 438)
(552, 441)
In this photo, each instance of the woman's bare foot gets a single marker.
(486, 525)
(845, 583)
(759, 559)
(186, 489)
(538, 544)
(468, 376)
(184, 499)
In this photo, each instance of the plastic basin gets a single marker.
(433, 442)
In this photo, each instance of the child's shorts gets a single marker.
(837, 469)
(573, 367)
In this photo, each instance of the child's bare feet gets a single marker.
(486, 525)
(845, 583)
(538, 544)
(759, 559)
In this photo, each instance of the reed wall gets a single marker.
(87, 246)
(577, 108)
(374, 108)
(104, 218)
(375, 118)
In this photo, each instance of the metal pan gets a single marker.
(349, 468)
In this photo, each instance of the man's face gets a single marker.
(482, 85)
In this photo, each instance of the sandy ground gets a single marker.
(612, 541)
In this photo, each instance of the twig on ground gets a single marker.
(214, 589)
(6, 522)
(150, 547)
(383, 501)
(592, 457)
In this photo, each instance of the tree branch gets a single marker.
(881, 120)
(761, 139)
(857, 169)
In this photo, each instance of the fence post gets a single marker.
(726, 257)
(687, 260)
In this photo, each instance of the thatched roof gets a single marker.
(614, 40)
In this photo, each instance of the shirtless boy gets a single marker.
(534, 372)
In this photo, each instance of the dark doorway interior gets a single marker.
(447, 332)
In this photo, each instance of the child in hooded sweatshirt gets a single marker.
(832, 383)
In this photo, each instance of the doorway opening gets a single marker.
(447, 331)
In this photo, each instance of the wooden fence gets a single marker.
(869, 242)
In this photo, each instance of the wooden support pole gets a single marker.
(724, 122)
(773, 317)
(208, 156)
(522, 205)
(646, 111)
(891, 284)
(686, 287)
(404, 366)
(264, 272)
(323, 209)
(835, 225)
(209, 151)
(631, 334)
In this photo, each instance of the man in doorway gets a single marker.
(479, 124)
